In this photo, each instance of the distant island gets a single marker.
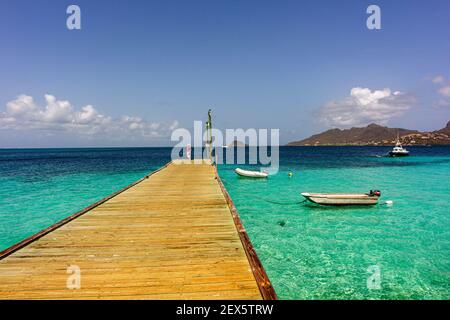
(375, 135)
(236, 143)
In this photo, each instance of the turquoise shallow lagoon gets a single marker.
(39, 187)
(309, 252)
(312, 252)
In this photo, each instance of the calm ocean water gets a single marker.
(309, 252)
(39, 187)
(324, 252)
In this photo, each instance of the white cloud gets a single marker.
(23, 113)
(86, 115)
(22, 105)
(445, 91)
(442, 103)
(438, 79)
(56, 111)
(174, 125)
(365, 106)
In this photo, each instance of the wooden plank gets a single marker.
(167, 236)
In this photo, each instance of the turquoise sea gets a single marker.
(39, 187)
(309, 252)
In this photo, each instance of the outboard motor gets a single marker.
(375, 193)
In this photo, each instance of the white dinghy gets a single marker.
(251, 174)
(344, 199)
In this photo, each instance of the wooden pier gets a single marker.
(173, 235)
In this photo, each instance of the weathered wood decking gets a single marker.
(171, 236)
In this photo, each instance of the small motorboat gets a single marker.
(344, 199)
(251, 174)
(398, 150)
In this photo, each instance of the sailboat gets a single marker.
(398, 150)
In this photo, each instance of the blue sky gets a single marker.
(146, 67)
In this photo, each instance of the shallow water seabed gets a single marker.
(314, 252)
(309, 252)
